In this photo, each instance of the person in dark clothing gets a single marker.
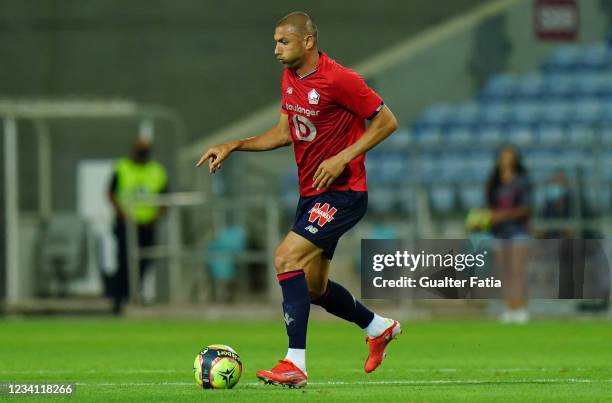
(509, 199)
(134, 177)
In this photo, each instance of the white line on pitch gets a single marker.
(189, 370)
(387, 382)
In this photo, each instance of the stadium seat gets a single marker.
(472, 196)
(437, 114)
(500, 87)
(526, 112)
(530, 86)
(606, 165)
(561, 86)
(466, 113)
(426, 134)
(222, 250)
(520, 134)
(606, 111)
(585, 110)
(429, 169)
(479, 165)
(564, 58)
(382, 199)
(452, 166)
(556, 112)
(495, 113)
(550, 133)
(458, 134)
(393, 168)
(489, 134)
(406, 199)
(442, 198)
(580, 133)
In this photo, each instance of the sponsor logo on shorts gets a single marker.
(322, 214)
(312, 229)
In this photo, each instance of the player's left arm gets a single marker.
(383, 124)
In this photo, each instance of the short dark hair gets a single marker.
(302, 21)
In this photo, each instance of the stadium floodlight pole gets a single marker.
(11, 209)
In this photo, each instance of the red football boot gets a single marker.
(285, 373)
(378, 346)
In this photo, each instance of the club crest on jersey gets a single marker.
(289, 90)
(322, 214)
(313, 97)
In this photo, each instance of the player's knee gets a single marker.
(315, 292)
(283, 260)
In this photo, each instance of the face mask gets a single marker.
(141, 155)
(555, 192)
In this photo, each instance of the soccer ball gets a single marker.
(217, 367)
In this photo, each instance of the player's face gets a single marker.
(290, 47)
(507, 158)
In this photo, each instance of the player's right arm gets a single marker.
(278, 136)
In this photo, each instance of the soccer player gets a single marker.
(323, 113)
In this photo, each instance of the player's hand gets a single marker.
(215, 156)
(328, 171)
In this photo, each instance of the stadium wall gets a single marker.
(447, 62)
(211, 61)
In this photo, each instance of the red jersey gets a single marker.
(327, 110)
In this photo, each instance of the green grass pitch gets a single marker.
(439, 361)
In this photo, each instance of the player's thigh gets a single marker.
(296, 253)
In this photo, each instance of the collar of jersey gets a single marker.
(321, 55)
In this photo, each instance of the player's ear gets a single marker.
(309, 42)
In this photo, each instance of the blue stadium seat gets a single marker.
(437, 114)
(590, 84)
(526, 112)
(502, 86)
(452, 166)
(551, 134)
(556, 112)
(595, 57)
(561, 86)
(606, 111)
(382, 199)
(495, 113)
(429, 167)
(393, 168)
(222, 250)
(406, 199)
(459, 134)
(580, 133)
(489, 134)
(606, 165)
(442, 198)
(541, 163)
(564, 58)
(586, 110)
(466, 113)
(289, 194)
(604, 134)
(520, 134)
(399, 140)
(472, 196)
(478, 165)
(426, 134)
(530, 86)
